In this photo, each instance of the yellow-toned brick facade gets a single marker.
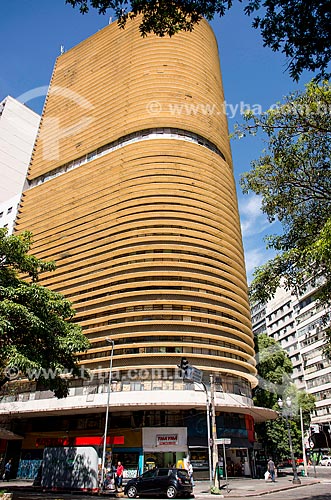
(132, 194)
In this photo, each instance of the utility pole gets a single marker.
(213, 428)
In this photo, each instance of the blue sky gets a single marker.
(32, 32)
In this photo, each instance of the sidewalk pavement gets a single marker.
(237, 487)
(247, 487)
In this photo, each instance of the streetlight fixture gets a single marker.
(304, 456)
(110, 341)
(286, 412)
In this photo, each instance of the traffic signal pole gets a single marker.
(193, 375)
(213, 427)
(208, 405)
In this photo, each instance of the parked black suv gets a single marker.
(171, 482)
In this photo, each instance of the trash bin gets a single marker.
(219, 472)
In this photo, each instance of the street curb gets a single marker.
(236, 494)
(277, 490)
(201, 495)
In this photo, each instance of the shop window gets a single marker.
(137, 386)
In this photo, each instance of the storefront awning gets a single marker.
(259, 414)
(9, 435)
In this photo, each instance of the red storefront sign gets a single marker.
(79, 441)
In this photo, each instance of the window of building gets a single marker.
(9, 210)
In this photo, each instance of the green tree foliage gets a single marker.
(274, 433)
(298, 28)
(274, 370)
(37, 339)
(293, 178)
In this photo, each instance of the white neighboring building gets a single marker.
(297, 324)
(8, 211)
(18, 130)
(310, 328)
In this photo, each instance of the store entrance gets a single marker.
(237, 462)
(130, 461)
(167, 459)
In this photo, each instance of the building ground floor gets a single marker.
(165, 425)
(139, 439)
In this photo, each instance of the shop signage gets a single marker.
(78, 441)
(166, 439)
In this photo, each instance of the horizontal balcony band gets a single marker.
(142, 135)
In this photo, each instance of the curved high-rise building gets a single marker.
(131, 192)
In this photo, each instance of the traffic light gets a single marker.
(189, 372)
(184, 364)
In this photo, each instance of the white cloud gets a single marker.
(254, 258)
(255, 226)
(253, 220)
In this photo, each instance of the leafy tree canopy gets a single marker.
(37, 339)
(293, 178)
(298, 28)
(274, 433)
(274, 369)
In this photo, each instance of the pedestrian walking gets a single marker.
(119, 475)
(6, 475)
(190, 472)
(271, 469)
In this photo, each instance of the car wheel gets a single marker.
(171, 492)
(132, 492)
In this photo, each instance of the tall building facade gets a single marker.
(131, 192)
(299, 323)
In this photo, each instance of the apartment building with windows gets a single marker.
(133, 195)
(299, 324)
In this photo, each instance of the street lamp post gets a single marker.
(304, 456)
(110, 341)
(286, 413)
